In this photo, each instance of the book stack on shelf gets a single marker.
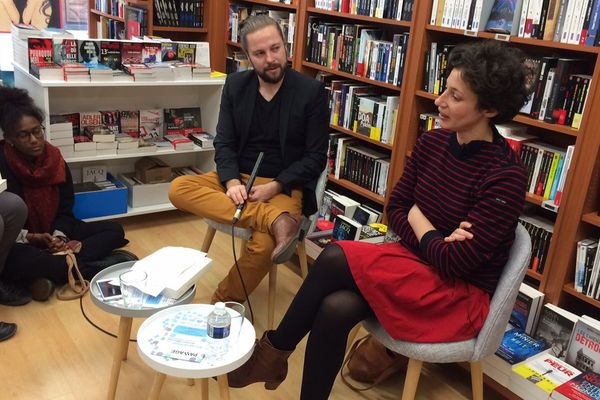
(70, 59)
(112, 132)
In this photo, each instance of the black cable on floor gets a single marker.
(96, 326)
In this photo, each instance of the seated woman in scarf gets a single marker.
(36, 171)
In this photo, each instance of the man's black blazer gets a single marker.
(303, 130)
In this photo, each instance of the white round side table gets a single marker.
(126, 317)
(160, 324)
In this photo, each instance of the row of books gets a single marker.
(587, 268)
(237, 62)
(359, 164)
(239, 12)
(540, 230)
(52, 53)
(361, 108)
(111, 7)
(560, 90)
(342, 218)
(149, 123)
(564, 21)
(107, 28)
(183, 13)
(559, 86)
(399, 10)
(357, 49)
(550, 352)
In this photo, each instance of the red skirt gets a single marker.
(410, 299)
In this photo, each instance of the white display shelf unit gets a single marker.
(59, 97)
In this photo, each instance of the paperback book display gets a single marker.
(536, 377)
(66, 58)
(114, 132)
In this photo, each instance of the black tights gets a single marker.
(328, 305)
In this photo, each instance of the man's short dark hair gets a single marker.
(496, 73)
(255, 23)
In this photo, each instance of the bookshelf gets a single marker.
(230, 45)
(210, 31)
(59, 97)
(577, 216)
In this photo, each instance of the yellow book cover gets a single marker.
(545, 371)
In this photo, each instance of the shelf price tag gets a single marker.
(471, 33)
(503, 37)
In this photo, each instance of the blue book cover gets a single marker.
(518, 346)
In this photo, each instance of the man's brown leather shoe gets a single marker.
(286, 230)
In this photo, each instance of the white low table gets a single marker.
(126, 317)
(237, 355)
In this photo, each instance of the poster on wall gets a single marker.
(39, 13)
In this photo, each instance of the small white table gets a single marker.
(126, 317)
(209, 367)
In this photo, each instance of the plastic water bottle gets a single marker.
(218, 324)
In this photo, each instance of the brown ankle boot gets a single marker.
(267, 364)
(286, 231)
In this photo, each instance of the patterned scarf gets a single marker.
(40, 179)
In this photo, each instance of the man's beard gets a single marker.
(272, 79)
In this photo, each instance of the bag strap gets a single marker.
(77, 286)
(383, 376)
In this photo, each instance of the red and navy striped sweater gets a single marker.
(480, 182)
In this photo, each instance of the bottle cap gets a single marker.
(219, 305)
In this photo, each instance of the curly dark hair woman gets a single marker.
(496, 73)
(455, 208)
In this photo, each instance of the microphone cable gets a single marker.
(237, 267)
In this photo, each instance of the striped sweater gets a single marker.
(480, 182)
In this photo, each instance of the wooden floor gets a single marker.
(57, 355)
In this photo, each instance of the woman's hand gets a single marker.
(34, 14)
(460, 233)
(40, 240)
(57, 244)
(8, 15)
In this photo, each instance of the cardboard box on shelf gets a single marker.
(152, 170)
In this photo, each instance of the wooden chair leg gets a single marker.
(204, 388)
(302, 258)
(412, 379)
(477, 380)
(223, 387)
(272, 293)
(159, 379)
(208, 238)
(352, 336)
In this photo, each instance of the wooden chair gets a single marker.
(245, 234)
(472, 350)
